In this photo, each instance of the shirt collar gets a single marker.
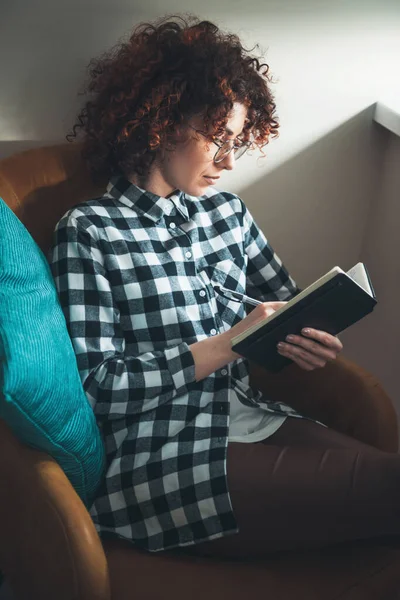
(148, 204)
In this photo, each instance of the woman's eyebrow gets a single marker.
(230, 132)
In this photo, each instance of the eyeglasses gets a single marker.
(224, 148)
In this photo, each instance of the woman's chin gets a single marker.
(197, 190)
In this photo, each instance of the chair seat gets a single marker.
(357, 571)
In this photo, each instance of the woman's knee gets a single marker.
(377, 481)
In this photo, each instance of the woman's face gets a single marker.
(190, 166)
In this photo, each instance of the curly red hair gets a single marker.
(167, 72)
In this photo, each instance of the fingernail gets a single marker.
(290, 338)
(306, 331)
(281, 346)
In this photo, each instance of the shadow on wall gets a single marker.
(10, 147)
(330, 205)
(376, 345)
(314, 208)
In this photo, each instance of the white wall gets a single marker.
(331, 60)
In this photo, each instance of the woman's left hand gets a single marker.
(311, 350)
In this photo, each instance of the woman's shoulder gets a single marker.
(95, 211)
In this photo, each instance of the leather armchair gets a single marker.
(49, 549)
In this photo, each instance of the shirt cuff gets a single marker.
(181, 366)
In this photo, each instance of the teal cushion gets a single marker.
(41, 395)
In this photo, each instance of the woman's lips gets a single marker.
(210, 180)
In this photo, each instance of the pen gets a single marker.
(237, 296)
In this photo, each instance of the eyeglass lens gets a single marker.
(226, 149)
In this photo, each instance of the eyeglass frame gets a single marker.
(233, 147)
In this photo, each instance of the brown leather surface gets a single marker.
(349, 572)
(41, 185)
(49, 549)
(342, 395)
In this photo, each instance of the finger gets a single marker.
(312, 347)
(306, 366)
(266, 309)
(277, 305)
(324, 338)
(297, 353)
(272, 306)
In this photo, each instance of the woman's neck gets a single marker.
(153, 182)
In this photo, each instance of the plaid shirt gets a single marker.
(135, 275)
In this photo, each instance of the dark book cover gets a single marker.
(332, 307)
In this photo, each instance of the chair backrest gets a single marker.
(49, 547)
(40, 185)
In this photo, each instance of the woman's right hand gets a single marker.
(216, 351)
(260, 312)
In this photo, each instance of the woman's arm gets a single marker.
(216, 352)
(268, 279)
(116, 383)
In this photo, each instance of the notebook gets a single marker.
(331, 304)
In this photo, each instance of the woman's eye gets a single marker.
(225, 141)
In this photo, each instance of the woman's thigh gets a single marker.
(309, 434)
(307, 487)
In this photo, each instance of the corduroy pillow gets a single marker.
(41, 395)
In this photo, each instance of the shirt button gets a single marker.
(172, 225)
(213, 331)
(224, 372)
(202, 293)
(188, 254)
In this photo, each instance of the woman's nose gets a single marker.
(229, 161)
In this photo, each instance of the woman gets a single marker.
(193, 453)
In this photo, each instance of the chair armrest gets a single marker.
(49, 547)
(342, 395)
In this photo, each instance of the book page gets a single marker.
(359, 275)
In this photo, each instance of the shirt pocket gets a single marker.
(229, 274)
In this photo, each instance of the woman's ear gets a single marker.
(180, 131)
(164, 150)
(179, 136)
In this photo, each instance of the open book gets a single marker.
(331, 304)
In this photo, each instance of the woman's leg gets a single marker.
(310, 434)
(307, 486)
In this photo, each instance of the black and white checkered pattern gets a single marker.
(135, 274)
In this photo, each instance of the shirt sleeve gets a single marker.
(267, 277)
(116, 384)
